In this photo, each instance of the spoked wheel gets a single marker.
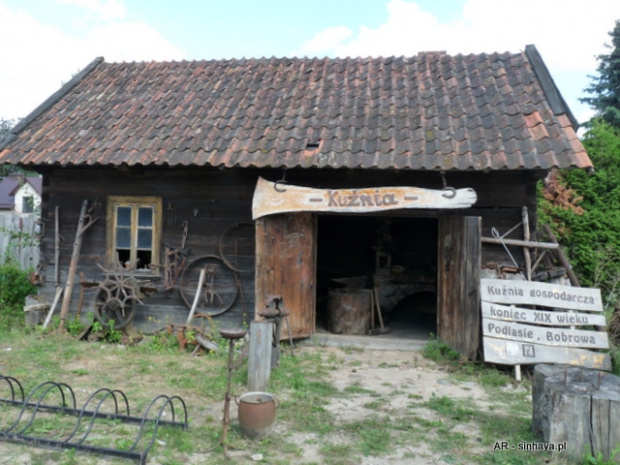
(116, 299)
(219, 290)
(118, 309)
(237, 245)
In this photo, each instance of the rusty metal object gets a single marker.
(240, 260)
(199, 332)
(232, 335)
(276, 314)
(175, 260)
(174, 263)
(117, 298)
(219, 291)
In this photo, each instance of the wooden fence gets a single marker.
(18, 240)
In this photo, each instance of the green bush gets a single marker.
(14, 287)
(583, 209)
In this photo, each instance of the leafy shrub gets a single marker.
(14, 287)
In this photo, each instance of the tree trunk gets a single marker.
(577, 407)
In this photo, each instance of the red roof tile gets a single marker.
(432, 111)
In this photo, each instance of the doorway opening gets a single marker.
(397, 256)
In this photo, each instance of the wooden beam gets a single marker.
(520, 243)
(563, 260)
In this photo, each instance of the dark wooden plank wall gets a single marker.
(211, 200)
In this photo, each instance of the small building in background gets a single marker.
(20, 193)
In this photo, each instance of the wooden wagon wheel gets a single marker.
(219, 290)
(237, 247)
(116, 300)
(108, 310)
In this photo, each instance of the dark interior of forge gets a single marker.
(395, 255)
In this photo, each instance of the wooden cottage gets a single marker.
(290, 177)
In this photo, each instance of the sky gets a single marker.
(43, 43)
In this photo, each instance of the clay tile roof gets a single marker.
(432, 111)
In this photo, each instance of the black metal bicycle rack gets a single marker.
(90, 417)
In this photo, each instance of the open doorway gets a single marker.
(395, 255)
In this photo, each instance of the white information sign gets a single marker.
(563, 332)
(540, 317)
(503, 291)
(507, 352)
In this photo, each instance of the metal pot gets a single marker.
(257, 412)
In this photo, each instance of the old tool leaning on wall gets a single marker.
(32, 408)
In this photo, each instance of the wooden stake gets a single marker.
(56, 245)
(77, 245)
(382, 329)
(372, 310)
(201, 280)
(378, 307)
(526, 250)
(53, 307)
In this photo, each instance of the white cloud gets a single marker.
(566, 33)
(324, 40)
(44, 57)
(131, 41)
(106, 9)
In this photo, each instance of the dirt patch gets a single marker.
(396, 378)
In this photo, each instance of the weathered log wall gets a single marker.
(212, 200)
(208, 200)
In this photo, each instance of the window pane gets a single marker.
(145, 238)
(123, 216)
(123, 238)
(145, 217)
(27, 204)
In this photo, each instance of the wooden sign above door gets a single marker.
(271, 198)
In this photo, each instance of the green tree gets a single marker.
(605, 89)
(584, 210)
(5, 126)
